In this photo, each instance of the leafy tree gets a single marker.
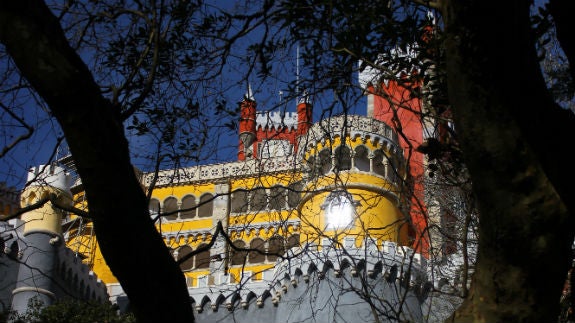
(68, 311)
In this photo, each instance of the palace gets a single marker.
(320, 221)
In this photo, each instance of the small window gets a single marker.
(277, 198)
(293, 241)
(254, 256)
(311, 165)
(361, 159)
(203, 258)
(206, 206)
(343, 158)
(294, 195)
(171, 208)
(379, 161)
(238, 256)
(275, 248)
(188, 207)
(259, 199)
(324, 161)
(154, 207)
(240, 201)
(184, 251)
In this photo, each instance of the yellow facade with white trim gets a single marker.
(368, 177)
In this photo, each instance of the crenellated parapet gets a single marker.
(63, 274)
(367, 129)
(74, 278)
(276, 120)
(314, 275)
(352, 144)
(220, 171)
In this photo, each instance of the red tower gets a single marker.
(247, 126)
(266, 134)
(393, 103)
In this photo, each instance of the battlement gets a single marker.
(64, 275)
(49, 175)
(76, 278)
(219, 171)
(355, 126)
(392, 270)
(276, 120)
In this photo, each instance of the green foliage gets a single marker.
(70, 311)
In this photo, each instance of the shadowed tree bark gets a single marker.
(128, 239)
(514, 140)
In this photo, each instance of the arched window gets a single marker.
(277, 198)
(324, 161)
(378, 162)
(254, 256)
(188, 204)
(293, 241)
(154, 207)
(171, 205)
(258, 201)
(240, 201)
(342, 158)
(206, 206)
(203, 258)
(239, 257)
(361, 158)
(294, 194)
(275, 248)
(184, 251)
(311, 164)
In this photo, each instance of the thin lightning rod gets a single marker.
(297, 71)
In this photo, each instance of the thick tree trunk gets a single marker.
(131, 245)
(513, 137)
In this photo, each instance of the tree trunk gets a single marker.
(129, 241)
(513, 137)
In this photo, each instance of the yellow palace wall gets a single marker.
(377, 214)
